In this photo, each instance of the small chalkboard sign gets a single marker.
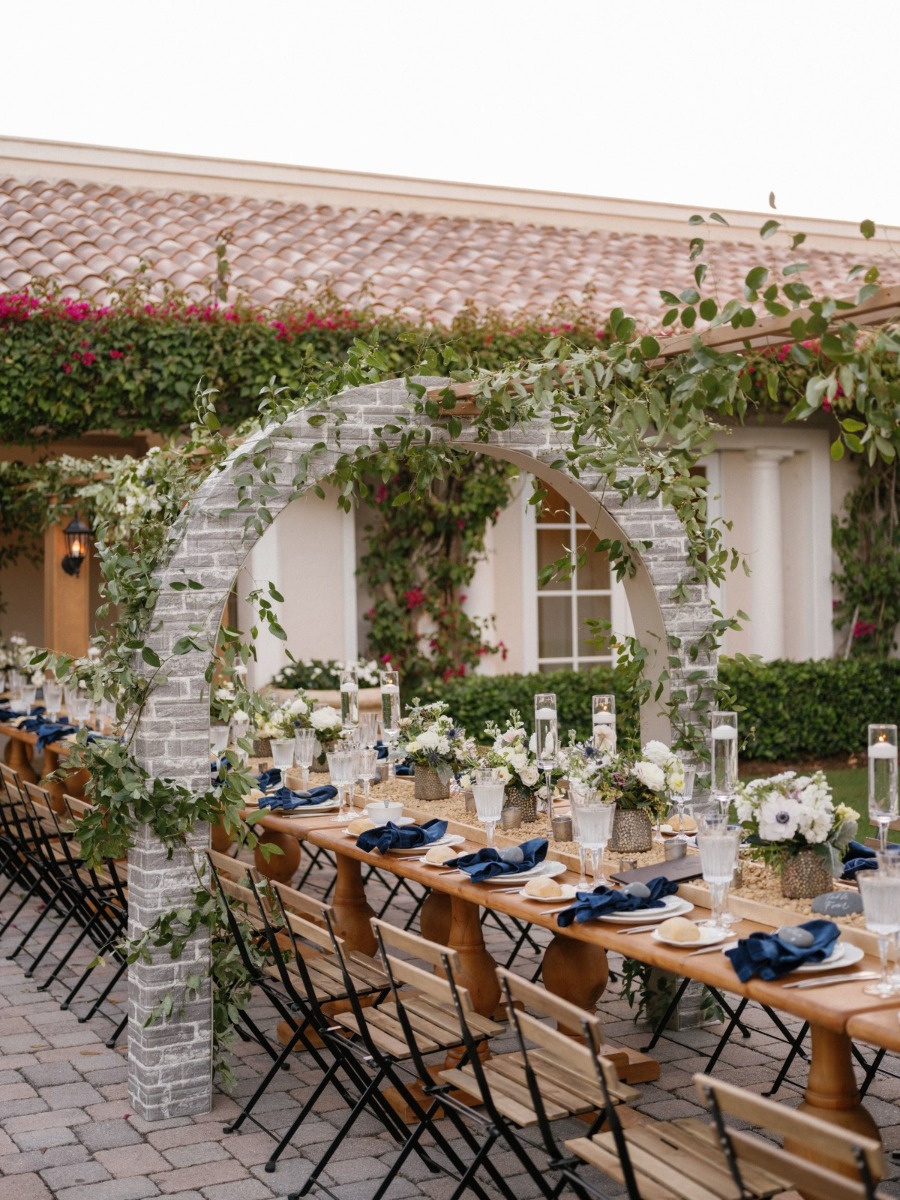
(838, 904)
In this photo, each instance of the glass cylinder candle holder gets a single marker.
(724, 756)
(390, 712)
(882, 778)
(546, 731)
(603, 723)
(349, 700)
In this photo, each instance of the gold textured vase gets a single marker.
(806, 875)
(632, 832)
(429, 785)
(521, 798)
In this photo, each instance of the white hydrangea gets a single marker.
(428, 740)
(298, 707)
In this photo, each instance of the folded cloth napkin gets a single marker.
(766, 955)
(390, 837)
(269, 779)
(381, 748)
(487, 863)
(604, 901)
(7, 714)
(858, 857)
(287, 800)
(405, 768)
(48, 732)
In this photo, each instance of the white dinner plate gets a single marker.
(672, 906)
(844, 954)
(378, 818)
(307, 810)
(708, 937)
(548, 869)
(449, 839)
(567, 893)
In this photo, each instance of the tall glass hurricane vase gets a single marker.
(882, 778)
(390, 710)
(304, 751)
(724, 757)
(546, 730)
(603, 723)
(349, 700)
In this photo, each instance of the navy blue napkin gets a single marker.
(7, 714)
(269, 779)
(405, 768)
(391, 837)
(858, 857)
(766, 955)
(381, 748)
(487, 863)
(48, 732)
(287, 800)
(605, 901)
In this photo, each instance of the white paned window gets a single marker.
(564, 606)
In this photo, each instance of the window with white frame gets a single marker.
(565, 605)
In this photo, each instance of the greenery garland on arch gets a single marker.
(644, 428)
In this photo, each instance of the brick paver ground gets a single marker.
(67, 1132)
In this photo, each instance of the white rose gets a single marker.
(650, 775)
(412, 747)
(530, 775)
(428, 740)
(298, 707)
(325, 718)
(657, 753)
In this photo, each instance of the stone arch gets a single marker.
(170, 1061)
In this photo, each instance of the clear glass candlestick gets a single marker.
(882, 778)
(683, 797)
(368, 729)
(603, 723)
(724, 757)
(576, 795)
(546, 730)
(349, 700)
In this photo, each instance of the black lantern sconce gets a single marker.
(77, 535)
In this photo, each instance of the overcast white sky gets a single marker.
(712, 103)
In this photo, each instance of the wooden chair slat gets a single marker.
(807, 1177)
(599, 1156)
(703, 1137)
(668, 1172)
(390, 1045)
(680, 1150)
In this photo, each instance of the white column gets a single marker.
(766, 553)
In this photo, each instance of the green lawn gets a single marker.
(849, 786)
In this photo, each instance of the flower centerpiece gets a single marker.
(325, 721)
(430, 738)
(513, 759)
(793, 824)
(640, 787)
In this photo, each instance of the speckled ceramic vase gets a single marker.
(521, 798)
(429, 785)
(632, 832)
(806, 875)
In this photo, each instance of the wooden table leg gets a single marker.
(18, 758)
(831, 1091)
(280, 867)
(576, 971)
(435, 918)
(478, 971)
(351, 908)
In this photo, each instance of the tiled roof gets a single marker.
(86, 235)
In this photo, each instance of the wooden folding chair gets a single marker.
(857, 1160)
(553, 1075)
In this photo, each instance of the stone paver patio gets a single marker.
(67, 1131)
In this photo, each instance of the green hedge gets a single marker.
(811, 709)
(790, 710)
(477, 699)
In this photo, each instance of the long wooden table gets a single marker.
(19, 755)
(575, 961)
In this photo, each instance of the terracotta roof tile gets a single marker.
(425, 263)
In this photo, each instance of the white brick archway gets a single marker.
(170, 1061)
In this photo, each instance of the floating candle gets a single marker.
(604, 718)
(724, 733)
(882, 750)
